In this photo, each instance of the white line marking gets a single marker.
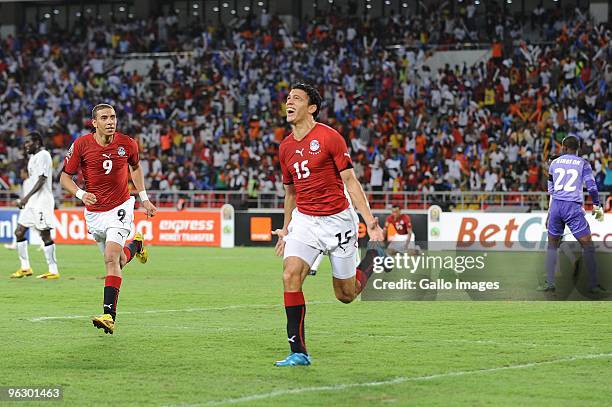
(397, 380)
(184, 310)
(467, 341)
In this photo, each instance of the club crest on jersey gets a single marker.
(121, 151)
(314, 145)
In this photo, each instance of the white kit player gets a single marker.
(36, 208)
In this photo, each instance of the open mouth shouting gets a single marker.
(290, 113)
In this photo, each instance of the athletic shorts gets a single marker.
(568, 213)
(400, 243)
(334, 235)
(37, 218)
(114, 225)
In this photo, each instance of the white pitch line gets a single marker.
(468, 341)
(397, 380)
(184, 310)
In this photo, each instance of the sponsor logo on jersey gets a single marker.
(107, 156)
(121, 151)
(314, 145)
(300, 152)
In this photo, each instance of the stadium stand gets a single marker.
(209, 114)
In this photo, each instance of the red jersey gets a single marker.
(105, 169)
(401, 224)
(313, 165)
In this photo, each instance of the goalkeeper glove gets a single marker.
(598, 213)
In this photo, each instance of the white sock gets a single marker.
(315, 265)
(22, 250)
(51, 260)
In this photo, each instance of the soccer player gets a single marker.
(316, 166)
(36, 208)
(566, 176)
(401, 224)
(106, 158)
(315, 265)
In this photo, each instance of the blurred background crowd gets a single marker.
(210, 114)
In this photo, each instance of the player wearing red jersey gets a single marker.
(316, 166)
(106, 157)
(398, 229)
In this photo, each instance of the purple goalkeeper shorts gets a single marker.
(568, 213)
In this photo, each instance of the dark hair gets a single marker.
(314, 97)
(571, 143)
(101, 106)
(36, 137)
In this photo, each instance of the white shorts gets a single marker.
(38, 218)
(335, 235)
(111, 226)
(400, 243)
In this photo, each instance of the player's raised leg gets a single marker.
(348, 280)
(22, 251)
(134, 248)
(49, 249)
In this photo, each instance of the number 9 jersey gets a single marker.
(105, 168)
(313, 165)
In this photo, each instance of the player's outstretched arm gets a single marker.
(138, 179)
(69, 185)
(290, 205)
(360, 202)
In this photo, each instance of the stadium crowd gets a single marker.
(211, 116)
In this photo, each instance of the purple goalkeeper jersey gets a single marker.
(566, 176)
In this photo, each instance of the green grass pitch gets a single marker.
(199, 326)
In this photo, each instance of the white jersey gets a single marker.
(39, 164)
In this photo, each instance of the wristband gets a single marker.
(80, 193)
(143, 196)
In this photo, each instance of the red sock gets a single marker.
(111, 294)
(131, 248)
(128, 253)
(295, 308)
(363, 280)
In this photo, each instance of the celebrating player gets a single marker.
(106, 157)
(398, 228)
(36, 208)
(315, 265)
(316, 166)
(567, 173)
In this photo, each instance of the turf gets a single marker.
(203, 326)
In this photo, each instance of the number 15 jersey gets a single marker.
(105, 169)
(313, 165)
